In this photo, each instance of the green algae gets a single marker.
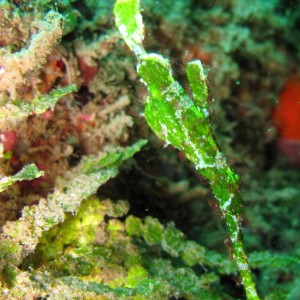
(28, 172)
(64, 254)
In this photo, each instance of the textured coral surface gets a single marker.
(149, 228)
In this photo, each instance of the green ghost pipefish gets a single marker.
(184, 123)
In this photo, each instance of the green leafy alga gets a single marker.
(28, 172)
(20, 108)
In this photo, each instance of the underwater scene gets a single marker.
(150, 149)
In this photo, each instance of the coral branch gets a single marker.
(21, 237)
(16, 67)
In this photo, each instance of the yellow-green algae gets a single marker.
(96, 252)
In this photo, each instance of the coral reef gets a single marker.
(71, 113)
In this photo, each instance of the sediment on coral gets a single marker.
(81, 123)
(18, 68)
